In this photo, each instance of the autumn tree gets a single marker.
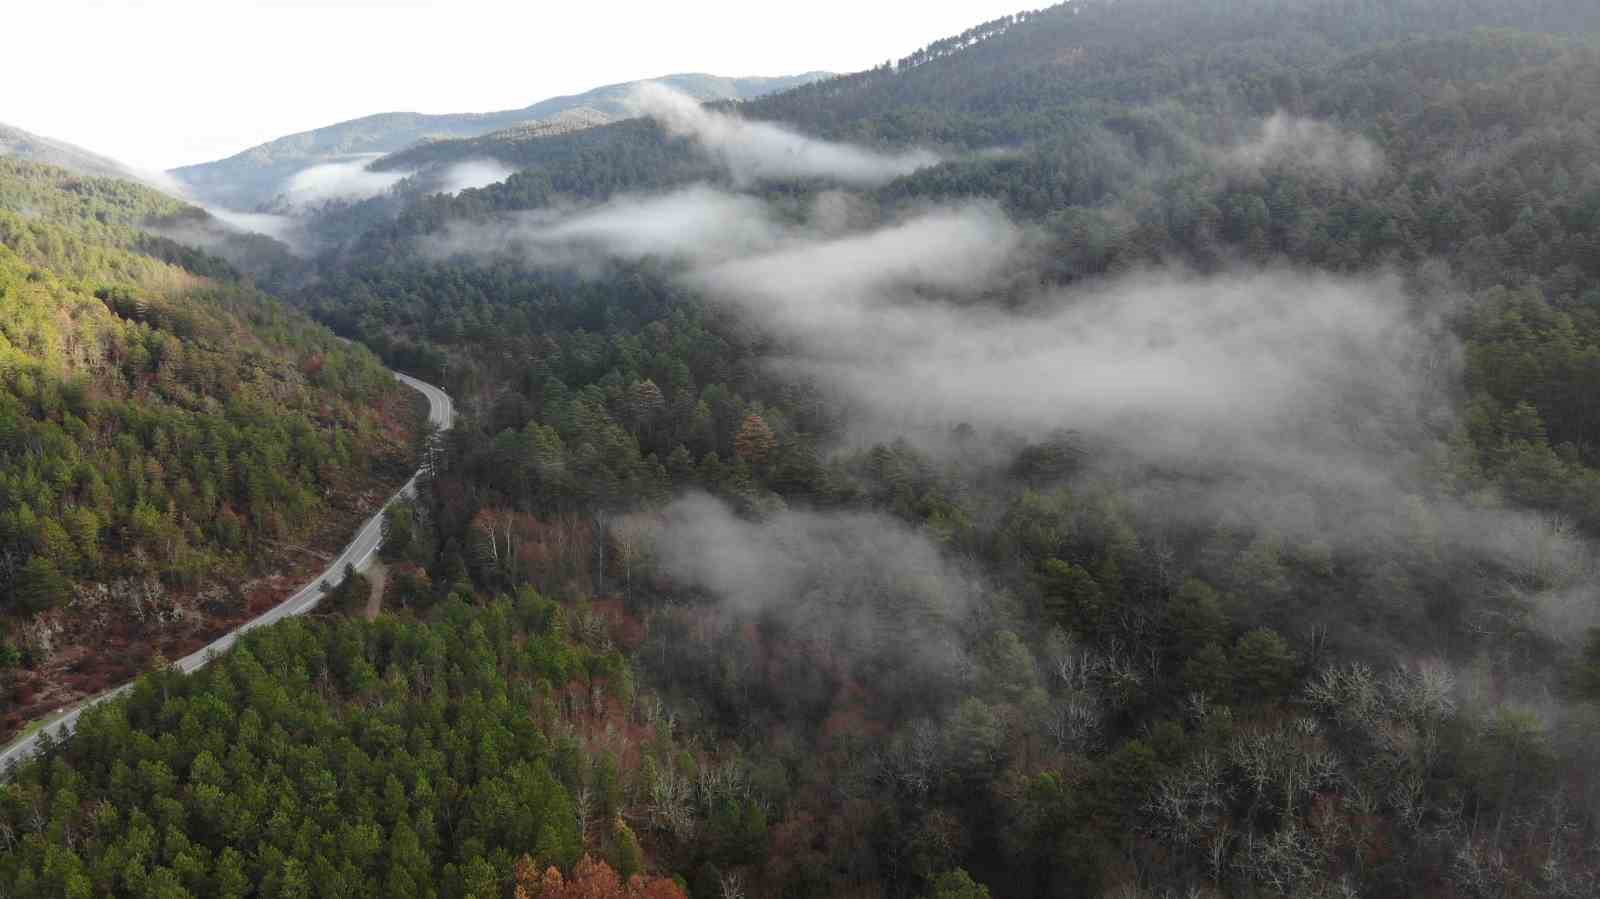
(755, 441)
(644, 403)
(591, 879)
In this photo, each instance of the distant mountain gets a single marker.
(19, 144)
(575, 119)
(258, 175)
(241, 241)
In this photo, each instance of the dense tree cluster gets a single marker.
(406, 758)
(159, 422)
(1071, 696)
(946, 46)
(1214, 706)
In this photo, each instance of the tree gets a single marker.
(1072, 598)
(40, 586)
(645, 403)
(56, 544)
(229, 879)
(632, 538)
(351, 596)
(1263, 664)
(977, 738)
(1511, 755)
(755, 441)
(591, 879)
(1195, 618)
(1209, 673)
(399, 531)
(625, 852)
(1124, 778)
(958, 884)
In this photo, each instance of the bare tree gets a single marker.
(1077, 724)
(632, 538)
(671, 807)
(602, 519)
(583, 809)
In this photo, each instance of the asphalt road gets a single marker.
(358, 554)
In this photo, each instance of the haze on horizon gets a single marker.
(186, 81)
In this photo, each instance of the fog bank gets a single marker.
(347, 180)
(756, 151)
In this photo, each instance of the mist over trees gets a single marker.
(1146, 449)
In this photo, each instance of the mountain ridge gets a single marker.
(254, 176)
(20, 144)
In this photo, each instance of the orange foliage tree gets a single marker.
(591, 879)
(755, 440)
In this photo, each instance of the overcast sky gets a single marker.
(162, 83)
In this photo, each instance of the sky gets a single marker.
(162, 83)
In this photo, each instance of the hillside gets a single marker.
(170, 439)
(987, 452)
(1010, 87)
(18, 144)
(258, 175)
(1137, 448)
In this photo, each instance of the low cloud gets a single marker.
(818, 289)
(935, 319)
(1284, 139)
(1168, 361)
(165, 182)
(757, 151)
(287, 229)
(1308, 404)
(1312, 406)
(697, 222)
(474, 174)
(1302, 401)
(860, 584)
(346, 180)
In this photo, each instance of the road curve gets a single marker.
(358, 554)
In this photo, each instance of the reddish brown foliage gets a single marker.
(626, 630)
(555, 555)
(24, 691)
(755, 440)
(591, 879)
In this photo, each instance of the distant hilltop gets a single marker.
(19, 144)
(257, 176)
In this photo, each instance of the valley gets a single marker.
(1131, 448)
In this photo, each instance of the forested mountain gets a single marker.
(19, 144)
(1135, 448)
(256, 176)
(245, 249)
(168, 437)
(1032, 84)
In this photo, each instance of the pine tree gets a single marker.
(41, 586)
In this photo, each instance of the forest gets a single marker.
(165, 432)
(1193, 493)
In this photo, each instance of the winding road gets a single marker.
(358, 554)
